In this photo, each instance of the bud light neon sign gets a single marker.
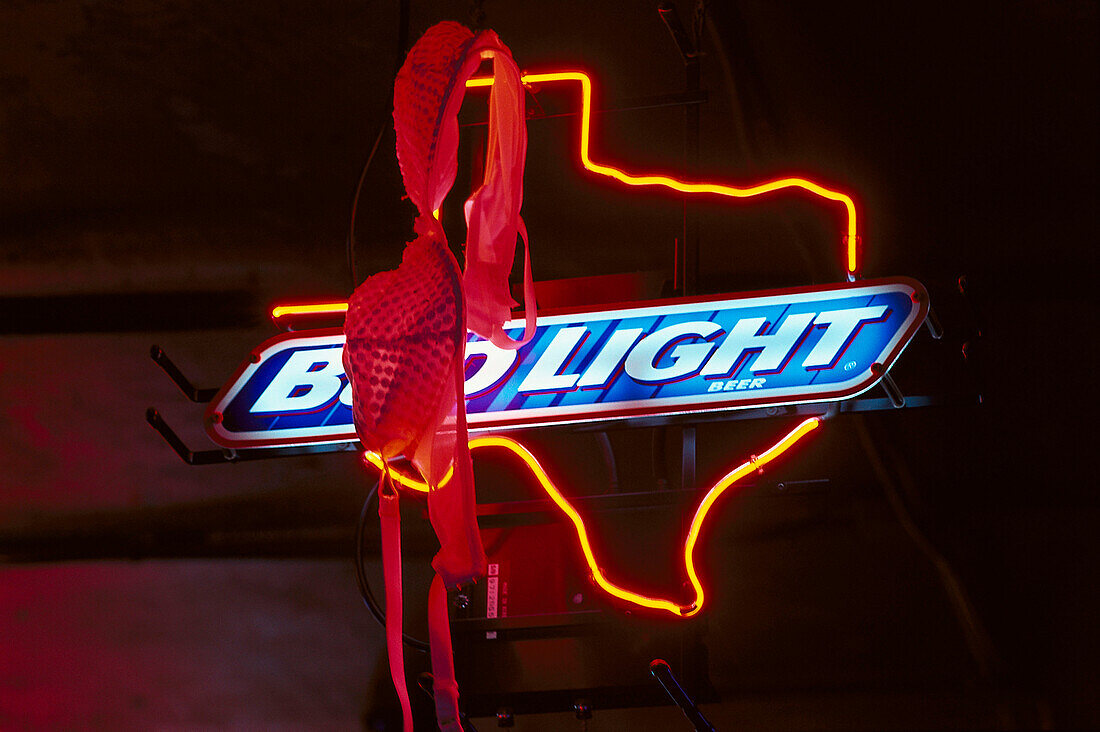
(662, 358)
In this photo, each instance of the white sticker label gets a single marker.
(492, 599)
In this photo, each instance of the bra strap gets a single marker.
(389, 516)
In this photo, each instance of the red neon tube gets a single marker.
(755, 463)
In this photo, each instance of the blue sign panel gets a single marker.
(662, 358)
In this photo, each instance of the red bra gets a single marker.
(406, 328)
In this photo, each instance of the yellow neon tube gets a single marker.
(755, 463)
(320, 308)
(852, 238)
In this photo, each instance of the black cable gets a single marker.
(361, 576)
(402, 48)
(355, 204)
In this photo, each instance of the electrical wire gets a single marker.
(355, 204)
(402, 48)
(361, 576)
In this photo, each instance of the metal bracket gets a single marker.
(888, 385)
(688, 47)
(892, 391)
(214, 457)
(687, 463)
(189, 390)
(189, 456)
(224, 455)
(663, 673)
(933, 323)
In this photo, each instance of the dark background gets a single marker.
(170, 169)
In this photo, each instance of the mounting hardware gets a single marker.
(933, 323)
(661, 671)
(189, 390)
(888, 385)
(189, 456)
(687, 46)
(227, 455)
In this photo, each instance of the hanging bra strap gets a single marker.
(500, 339)
(389, 515)
(443, 668)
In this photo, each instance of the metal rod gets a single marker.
(687, 259)
(671, 19)
(169, 367)
(663, 673)
(687, 465)
(690, 249)
(892, 391)
(933, 323)
(214, 457)
(189, 456)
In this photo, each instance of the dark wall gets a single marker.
(207, 153)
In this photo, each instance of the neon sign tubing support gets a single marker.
(690, 261)
(687, 256)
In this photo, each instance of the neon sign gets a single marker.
(852, 241)
(664, 358)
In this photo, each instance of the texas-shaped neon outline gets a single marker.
(851, 236)
(755, 463)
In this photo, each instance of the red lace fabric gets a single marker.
(406, 329)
